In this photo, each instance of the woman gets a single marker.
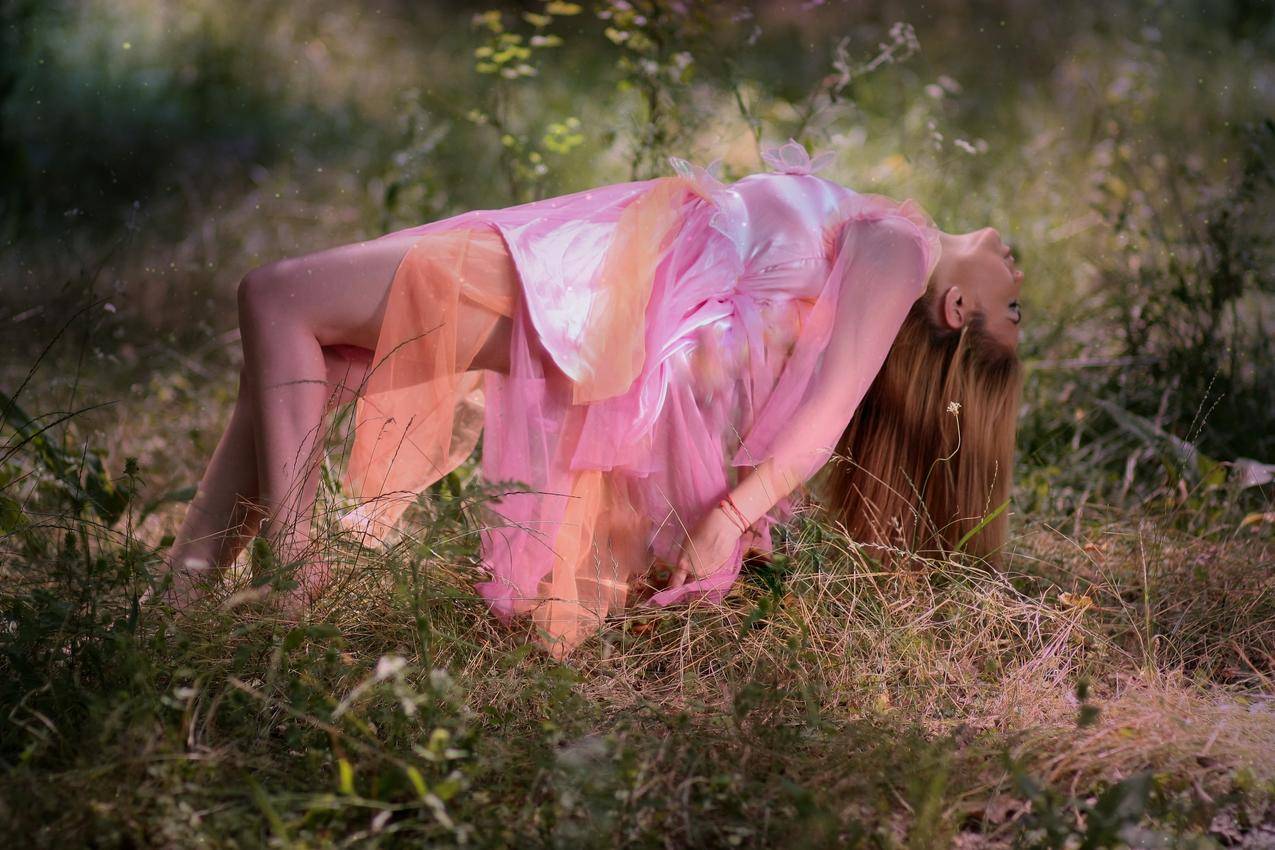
(660, 362)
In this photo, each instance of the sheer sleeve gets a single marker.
(882, 257)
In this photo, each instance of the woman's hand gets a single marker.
(706, 550)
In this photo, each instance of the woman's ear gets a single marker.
(952, 307)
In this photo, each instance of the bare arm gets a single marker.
(886, 276)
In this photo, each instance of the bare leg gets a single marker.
(224, 514)
(289, 312)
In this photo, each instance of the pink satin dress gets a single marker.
(666, 334)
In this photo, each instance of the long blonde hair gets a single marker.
(915, 472)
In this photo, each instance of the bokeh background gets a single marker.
(154, 151)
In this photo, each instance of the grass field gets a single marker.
(1113, 685)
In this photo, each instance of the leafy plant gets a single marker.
(509, 58)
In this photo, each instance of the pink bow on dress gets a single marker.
(792, 158)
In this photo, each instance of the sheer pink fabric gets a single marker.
(668, 336)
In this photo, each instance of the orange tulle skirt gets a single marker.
(421, 412)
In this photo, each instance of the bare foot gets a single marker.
(186, 584)
(313, 578)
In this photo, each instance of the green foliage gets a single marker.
(1172, 404)
(510, 57)
(1187, 296)
(105, 101)
(830, 701)
(1101, 822)
(84, 480)
(658, 46)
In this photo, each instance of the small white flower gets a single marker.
(953, 407)
(389, 665)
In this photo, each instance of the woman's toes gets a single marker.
(182, 586)
(312, 581)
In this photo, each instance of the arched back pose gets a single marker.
(661, 363)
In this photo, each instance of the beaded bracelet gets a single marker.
(734, 513)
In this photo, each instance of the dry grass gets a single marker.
(955, 651)
(841, 703)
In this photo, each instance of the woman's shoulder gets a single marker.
(885, 227)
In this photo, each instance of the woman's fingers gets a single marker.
(678, 578)
(681, 572)
(700, 559)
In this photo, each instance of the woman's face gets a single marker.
(976, 271)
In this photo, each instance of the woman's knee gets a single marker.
(263, 290)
